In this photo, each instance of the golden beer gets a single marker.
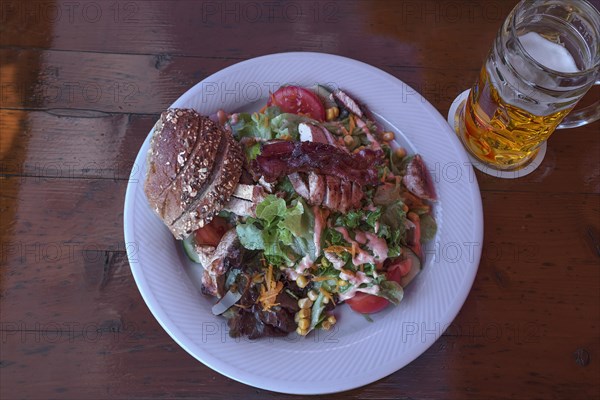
(545, 57)
(502, 134)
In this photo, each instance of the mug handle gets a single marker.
(582, 116)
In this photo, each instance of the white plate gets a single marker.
(356, 352)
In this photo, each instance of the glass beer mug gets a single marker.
(546, 56)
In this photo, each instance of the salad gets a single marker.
(328, 210)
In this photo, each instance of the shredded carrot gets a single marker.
(257, 278)
(338, 249)
(269, 291)
(327, 294)
(262, 110)
(353, 249)
(352, 124)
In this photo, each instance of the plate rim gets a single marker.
(239, 375)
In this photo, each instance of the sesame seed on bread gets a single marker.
(194, 166)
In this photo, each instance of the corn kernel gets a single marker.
(332, 319)
(349, 140)
(326, 325)
(301, 332)
(304, 313)
(400, 152)
(305, 303)
(301, 281)
(325, 300)
(304, 323)
(332, 113)
(342, 282)
(312, 294)
(297, 318)
(388, 136)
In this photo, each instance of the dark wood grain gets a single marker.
(147, 84)
(64, 150)
(115, 365)
(404, 32)
(81, 85)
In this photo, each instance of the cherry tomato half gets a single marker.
(211, 234)
(398, 269)
(368, 303)
(365, 303)
(297, 100)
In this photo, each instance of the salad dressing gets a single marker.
(357, 278)
(378, 246)
(304, 264)
(361, 256)
(350, 293)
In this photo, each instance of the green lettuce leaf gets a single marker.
(255, 124)
(285, 233)
(394, 216)
(270, 124)
(287, 125)
(250, 235)
(270, 208)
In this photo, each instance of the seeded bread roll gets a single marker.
(173, 133)
(193, 168)
(196, 170)
(215, 193)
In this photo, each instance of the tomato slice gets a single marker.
(368, 303)
(211, 234)
(297, 100)
(365, 303)
(398, 269)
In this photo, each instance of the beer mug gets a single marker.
(544, 59)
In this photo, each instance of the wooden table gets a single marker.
(82, 83)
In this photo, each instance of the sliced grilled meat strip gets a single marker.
(299, 185)
(316, 188)
(333, 193)
(216, 263)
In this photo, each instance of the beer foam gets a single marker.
(549, 54)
